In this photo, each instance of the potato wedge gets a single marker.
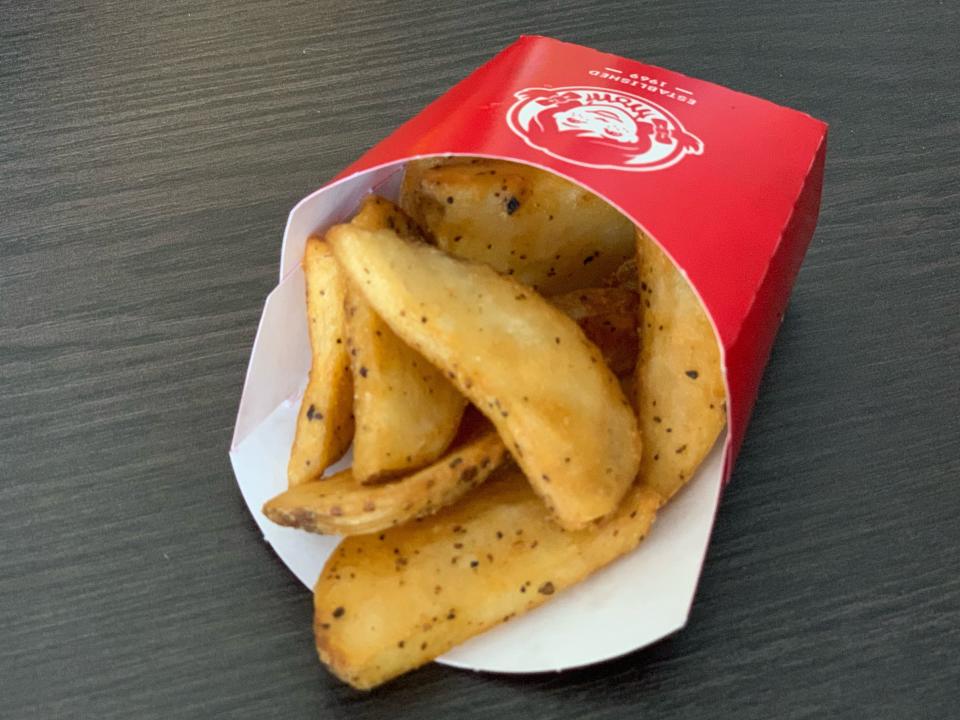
(494, 554)
(341, 505)
(608, 317)
(521, 361)
(411, 196)
(377, 213)
(325, 421)
(385, 604)
(679, 381)
(546, 231)
(406, 412)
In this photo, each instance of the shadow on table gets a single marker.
(443, 692)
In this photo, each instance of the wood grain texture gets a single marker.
(149, 154)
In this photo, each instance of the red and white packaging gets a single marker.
(728, 184)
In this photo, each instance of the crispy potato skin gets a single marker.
(406, 411)
(546, 231)
(521, 361)
(608, 317)
(386, 604)
(341, 505)
(402, 593)
(378, 213)
(325, 421)
(679, 381)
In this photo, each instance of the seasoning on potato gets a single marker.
(679, 381)
(523, 363)
(608, 317)
(406, 412)
(386, 604)
(342, 505)
(325, 421)
(545, 231)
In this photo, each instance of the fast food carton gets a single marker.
(728, 184)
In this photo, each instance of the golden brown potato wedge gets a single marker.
(377, 213)
(608, 317)
(385, 604)
(546, 231)
(341, 505)
(325, 422)
(411, 196)
(500, 572)
(406, 411)
(522, 362)
(679, 381)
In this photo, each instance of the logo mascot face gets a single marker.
(601, 128)
(598, 121)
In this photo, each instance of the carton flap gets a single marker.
(280, 357)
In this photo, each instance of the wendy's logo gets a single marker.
(601, 128)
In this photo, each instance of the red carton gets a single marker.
(728, 184)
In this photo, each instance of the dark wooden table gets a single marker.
(149, 154)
